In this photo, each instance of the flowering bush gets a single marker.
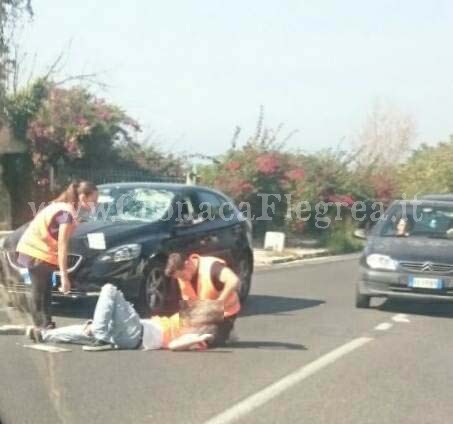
(68, 124)
(267, 164)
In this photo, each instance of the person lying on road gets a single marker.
(116, 325)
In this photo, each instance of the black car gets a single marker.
(409, 253)
(136, 226)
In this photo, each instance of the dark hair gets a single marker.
(74, 190)
(175, 263)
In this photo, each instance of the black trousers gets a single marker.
(223, 331)
(41, 293)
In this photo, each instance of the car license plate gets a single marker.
(425, 283)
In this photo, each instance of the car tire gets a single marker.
(362, 301)
(154, 288)
(244, 271)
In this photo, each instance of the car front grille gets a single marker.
(428, 267)
(74, 261)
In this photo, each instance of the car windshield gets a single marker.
(133, 204)
(419, 221)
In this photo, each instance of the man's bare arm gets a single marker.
(230, 281)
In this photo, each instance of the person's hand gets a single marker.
(65, 286)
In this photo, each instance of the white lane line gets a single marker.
(383, 326)
(260, 398)
(401, 318)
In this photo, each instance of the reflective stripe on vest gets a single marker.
(205, 286)
(36, 241)
(170, 326)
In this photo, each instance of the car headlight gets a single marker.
(384, 262)
(126, 252)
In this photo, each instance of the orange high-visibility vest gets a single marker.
(170, 326)
(36, 241)
(205, 287)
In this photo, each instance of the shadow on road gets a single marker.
(418, 307)
(68, 308)
(269, 305)
(268, 345)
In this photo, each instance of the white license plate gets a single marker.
(425, 283)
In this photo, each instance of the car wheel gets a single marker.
(244, 271)
(154, 288)
(362, 300)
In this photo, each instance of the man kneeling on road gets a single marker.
(206, 277)
(116, 325)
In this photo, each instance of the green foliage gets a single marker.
(10, 12)
(22, 107)
(149, 157)
(68, 124)
(428, 170)
(341, 239)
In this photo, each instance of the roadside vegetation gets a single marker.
(68, 130)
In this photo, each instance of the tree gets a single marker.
(147, 156)
(67, 123)
(386, 137)
(428, 170)
(10, 13)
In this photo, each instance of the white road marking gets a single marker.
(401, 318)
(47, 348)
(383, 326)
(260, 398)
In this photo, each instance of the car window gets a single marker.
(207, 205)
(419, 220)
(227, 209)
(133, 204)
(185, 209)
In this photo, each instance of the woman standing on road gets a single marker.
(43, 248)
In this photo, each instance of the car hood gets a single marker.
(417, 249)
(115, 233)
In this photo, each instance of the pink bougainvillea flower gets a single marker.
(246, 187)
(267, 164)
(296, 174)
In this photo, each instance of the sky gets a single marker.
(191, 70)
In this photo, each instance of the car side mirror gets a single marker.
(360, 234)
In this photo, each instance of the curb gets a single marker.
(292, 258)
(312, 258)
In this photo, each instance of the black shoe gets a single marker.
(99, 346)
(35, 334)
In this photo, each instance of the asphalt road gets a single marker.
(304, 354)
